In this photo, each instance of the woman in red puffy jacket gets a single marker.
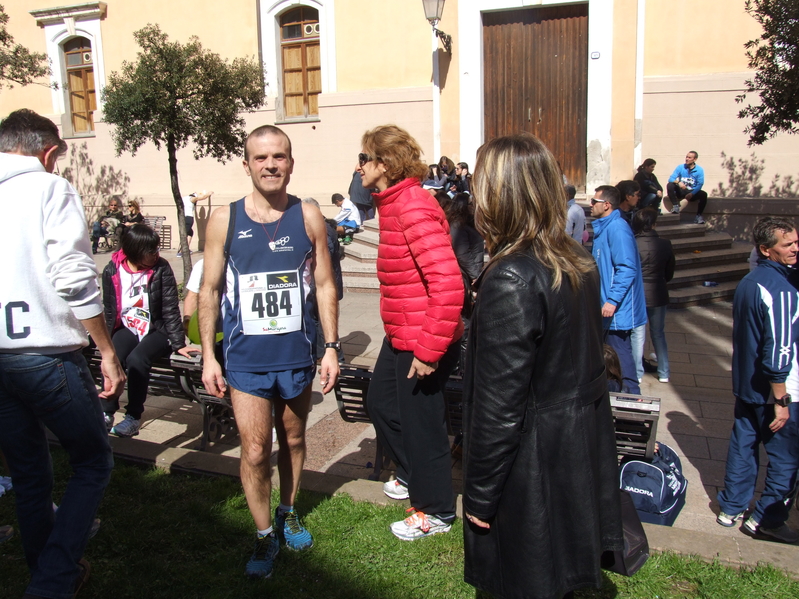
(421, 295)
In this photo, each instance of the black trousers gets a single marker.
(409, 416)
(677, 193)
(137, 358)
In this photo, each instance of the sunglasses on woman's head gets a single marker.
(364, 158)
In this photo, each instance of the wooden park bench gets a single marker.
(181, 377)
(351, 391)
(156, 223)
(635, 417)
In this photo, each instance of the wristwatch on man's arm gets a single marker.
(337, 346)
(783, 401)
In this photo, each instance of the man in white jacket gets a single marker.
(49, 299)
(348, 218)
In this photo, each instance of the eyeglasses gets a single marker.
(364, 158)
(594, 201)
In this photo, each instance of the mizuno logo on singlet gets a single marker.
(245, 234)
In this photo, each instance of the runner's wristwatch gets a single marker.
(783, 401)
(337, 346)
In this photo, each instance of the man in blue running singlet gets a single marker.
(260, 272)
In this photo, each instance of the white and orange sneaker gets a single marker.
(395, 489)
(419, 525)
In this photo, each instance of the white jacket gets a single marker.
(348, 211)
(48, 282)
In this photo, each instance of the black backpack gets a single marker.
(657, 487)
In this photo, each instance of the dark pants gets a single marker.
(409, 416)
(749, 430)
(57, 392)
(677, 193)
(622, 345)
(137, 360)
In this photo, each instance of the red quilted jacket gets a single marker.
(421, 288)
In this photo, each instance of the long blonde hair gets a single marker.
(521, 202)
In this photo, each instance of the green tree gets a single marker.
(18, 64)
(775, 57)
(179, 93)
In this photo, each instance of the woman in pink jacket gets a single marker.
(421, 295)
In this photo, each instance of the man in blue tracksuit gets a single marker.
(686, 183)
(622, 286)
(764, 374)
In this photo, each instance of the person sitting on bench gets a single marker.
(142, 313)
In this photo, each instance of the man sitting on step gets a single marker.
(686, 183)
(347, 220)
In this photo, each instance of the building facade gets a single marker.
(605, 83)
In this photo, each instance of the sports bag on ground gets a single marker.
(657, 487)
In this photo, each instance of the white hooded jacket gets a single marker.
(48, 283)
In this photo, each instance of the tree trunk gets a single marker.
(173, 178)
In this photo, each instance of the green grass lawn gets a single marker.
(175, 536)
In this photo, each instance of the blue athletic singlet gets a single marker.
(267, 321)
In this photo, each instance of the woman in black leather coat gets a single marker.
(540, 482)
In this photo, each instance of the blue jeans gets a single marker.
(620, 342)
(749, 430)
(637, 340)
(651, 200)
(657, 324)
(56, 392)
(97, 232)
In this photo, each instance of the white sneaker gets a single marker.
(129, 427)
(664, 379)
(653, 356)
(395, 489)
(419, 525)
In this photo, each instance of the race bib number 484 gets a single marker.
(271, 303)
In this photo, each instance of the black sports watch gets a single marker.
(337, 346)
(783, 401)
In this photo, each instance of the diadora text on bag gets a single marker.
(658, 487)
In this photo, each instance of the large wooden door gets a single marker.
(536, 79)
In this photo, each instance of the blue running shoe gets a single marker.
(262, 562)
(294, 534)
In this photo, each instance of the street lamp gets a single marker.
(433, 9)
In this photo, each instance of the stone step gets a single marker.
(369, 237)
(710, 241)
(697, 294)
(360, 252)
(350, 267)
(672, 231)
(739, 252)
(361, 284)
(717, 273)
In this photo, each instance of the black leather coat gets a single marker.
(539, 446)
(164, 303)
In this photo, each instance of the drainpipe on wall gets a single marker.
(436, 102)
